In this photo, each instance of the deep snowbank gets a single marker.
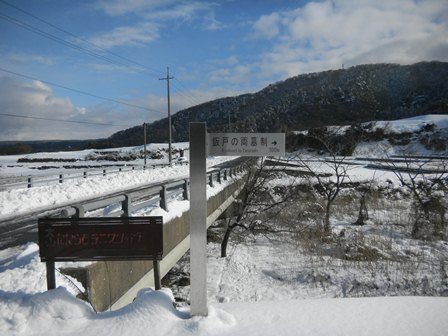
(27, 309)
(152, 313)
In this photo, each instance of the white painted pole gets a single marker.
(198, 219)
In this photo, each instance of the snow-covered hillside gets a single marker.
(423, 135)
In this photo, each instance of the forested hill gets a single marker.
(336, 97)
(357, 94)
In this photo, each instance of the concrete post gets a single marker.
(163, 200)
(80, 212)
(126, 206)
(185, 190)
(198, 219)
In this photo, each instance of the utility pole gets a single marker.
(167, 78)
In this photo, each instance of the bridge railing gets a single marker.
(154, 196)
(30, 181)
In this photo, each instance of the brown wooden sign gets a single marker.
(90, 239)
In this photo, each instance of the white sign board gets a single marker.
(246, 144)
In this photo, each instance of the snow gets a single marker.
(414, 124)
(407, 125)
(384, 148)
(18, 200)
(9, 165)
(280, 303)
(40, 198)
(27, 309)
(263, 287)
(152, 313)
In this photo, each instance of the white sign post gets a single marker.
(217, 144)
(198, 219)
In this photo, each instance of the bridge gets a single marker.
(114, 284)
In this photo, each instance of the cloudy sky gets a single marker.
(86, 69)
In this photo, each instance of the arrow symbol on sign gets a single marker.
(274, 143)
(49, 235)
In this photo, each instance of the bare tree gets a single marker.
(426, 178)
(363, 213)
(329, 175)
(364, 189)
(328, 180)
(255, 200)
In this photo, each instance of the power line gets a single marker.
(180, 93)
(81, 92)
(89, 51)
(61, 120)
(149, 70)
(55, 38)
(190, 95)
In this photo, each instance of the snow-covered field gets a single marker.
(16, 201)
(278, 284)
(67, 162)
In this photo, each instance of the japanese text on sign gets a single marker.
(92, 239)
(75, 239)
(246, 144)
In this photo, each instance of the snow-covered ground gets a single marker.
(266, 286)
(414, 124)
(27, 309)
(14, 202)
(68, 162)
(416, 131)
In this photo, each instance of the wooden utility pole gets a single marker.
(167, 78)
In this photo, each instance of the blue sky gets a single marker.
(213, 49)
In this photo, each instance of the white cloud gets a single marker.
(159, 10)
(38, 100)
(267, 26)
(151, 17)
(232, 60)
(211, 23)
(180, 10)
(136, 35)
(327, 34)
(24, 58)
(121, 7)
(235, 74)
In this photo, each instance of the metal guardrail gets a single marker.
(30, 181)
(156, 195)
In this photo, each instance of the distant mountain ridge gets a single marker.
(335, 97)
